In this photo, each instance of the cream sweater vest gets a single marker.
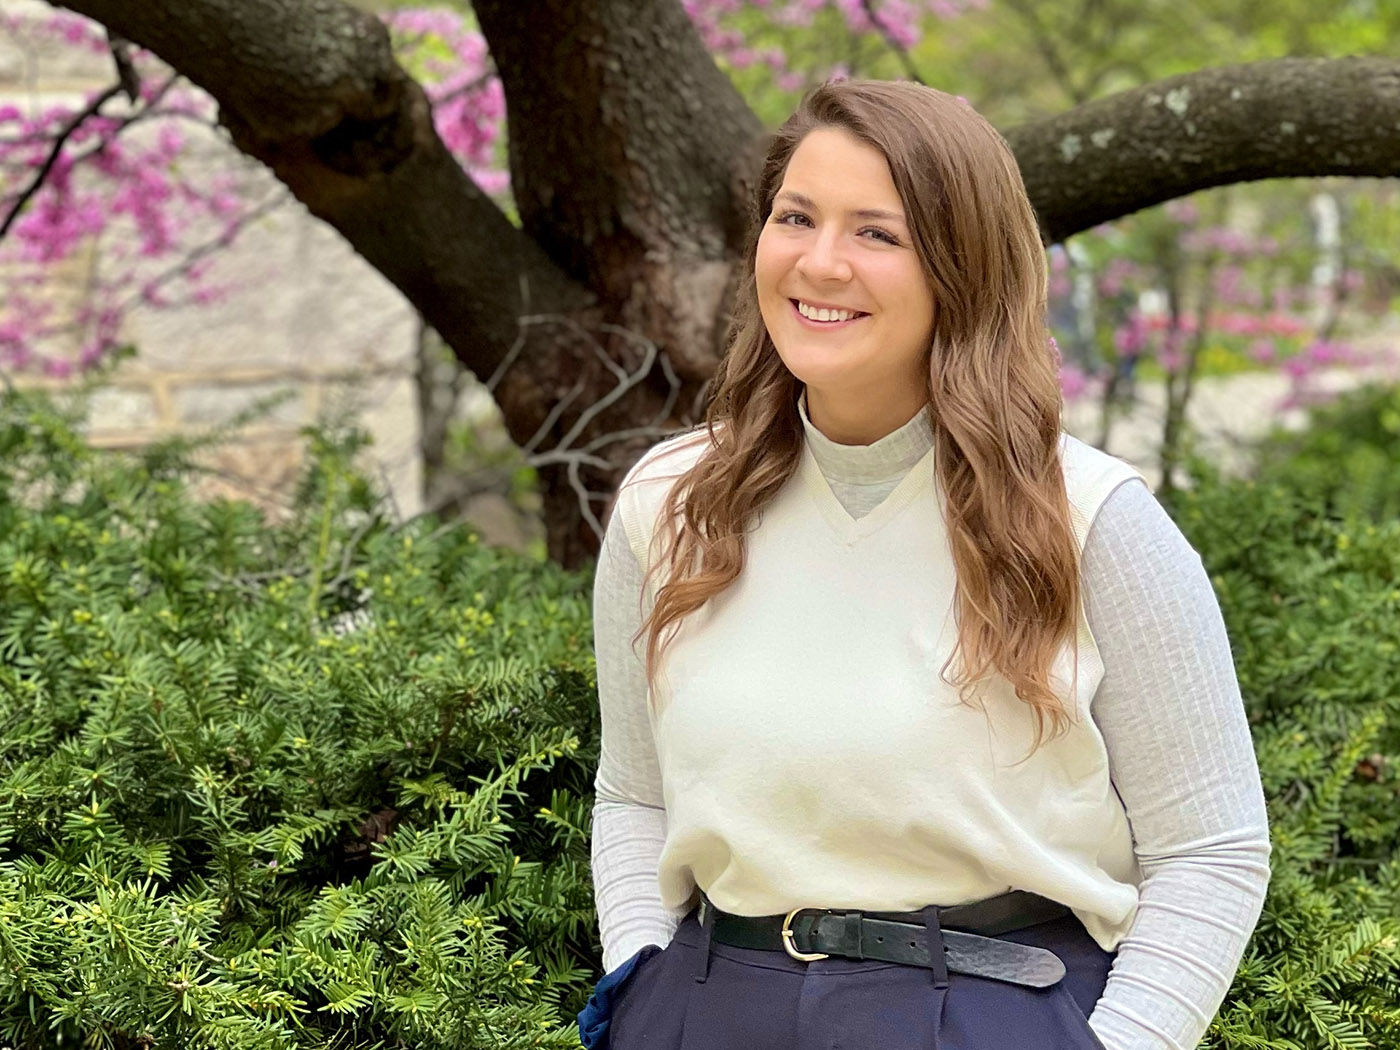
(810, 753)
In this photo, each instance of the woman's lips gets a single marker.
(823, 326)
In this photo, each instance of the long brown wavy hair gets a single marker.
(992, 386)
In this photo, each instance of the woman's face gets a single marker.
(841, 288)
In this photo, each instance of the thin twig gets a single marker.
(515, 347)
(60, 140)
(574, 459)
(208, 248)
(577, 483)
(127, 74)
(553, 416)
(910, 70)
(466, 89)
(343, 572)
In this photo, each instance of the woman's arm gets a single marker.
(1182, 761)
(629, 815)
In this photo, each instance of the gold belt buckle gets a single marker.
(788, 941)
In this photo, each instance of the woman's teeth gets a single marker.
(813, 313)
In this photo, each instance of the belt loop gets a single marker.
(937, 962)
(707, 927)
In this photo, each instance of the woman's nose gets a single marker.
(824, 259)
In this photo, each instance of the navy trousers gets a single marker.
(698, 995)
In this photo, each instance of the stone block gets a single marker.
(55, 59)
(210, 404)
(123, 408)
(13, 64)
(294, 295)
(386, 406)
(265, 473)
(500, 524)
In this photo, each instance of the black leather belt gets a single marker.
(969, 933)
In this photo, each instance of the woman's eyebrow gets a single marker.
(803, 201)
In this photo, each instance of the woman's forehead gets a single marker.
(831, 169)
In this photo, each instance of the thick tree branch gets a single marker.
(621, 125)
(1278, 119)
(630, 153)
(311, 88)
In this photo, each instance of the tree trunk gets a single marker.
(629, 154)
(599, 323)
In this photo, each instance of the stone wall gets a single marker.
(303, 314)
(307, 316)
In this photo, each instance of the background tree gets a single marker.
(599, 318)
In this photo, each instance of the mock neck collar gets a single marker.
(891, 456)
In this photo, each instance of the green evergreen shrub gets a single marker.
(1312, 603)
(1346, 461)
(324, 783)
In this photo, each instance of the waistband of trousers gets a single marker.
(961, 938)
(1004, 913)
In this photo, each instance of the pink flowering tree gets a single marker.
(113, 178)
(592, 298)
(74, 182)
(1179, 292)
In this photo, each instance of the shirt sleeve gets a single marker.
(1183, 763)
(629, 815)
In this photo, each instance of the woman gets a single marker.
(936, 739)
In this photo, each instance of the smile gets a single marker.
(824, 317)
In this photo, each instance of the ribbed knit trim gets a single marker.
(880, 462)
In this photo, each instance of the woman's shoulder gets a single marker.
(644, 488)
(1091, 477)
(1088, 469)
(669, 459)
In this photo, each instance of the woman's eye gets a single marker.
(797, 218)
(881, 235)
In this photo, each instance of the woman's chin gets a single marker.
(818, 367)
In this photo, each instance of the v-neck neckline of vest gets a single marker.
(847, 528)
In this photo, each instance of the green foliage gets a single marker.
(318, 783)
(325, 782)
(1312, 603)
(1347, 460)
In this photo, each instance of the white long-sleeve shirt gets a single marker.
(1168, 709)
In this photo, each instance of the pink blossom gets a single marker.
(1284, 324)
(1264, 351)
(1130, 339)
(1182, 210)
(1236, 323)
(1073, 382)
(742, 57)
(491, 180)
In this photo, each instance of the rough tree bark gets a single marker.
(630, 158)
(1264, 120)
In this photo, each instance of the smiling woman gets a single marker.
(843, 292)
(808, 832)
